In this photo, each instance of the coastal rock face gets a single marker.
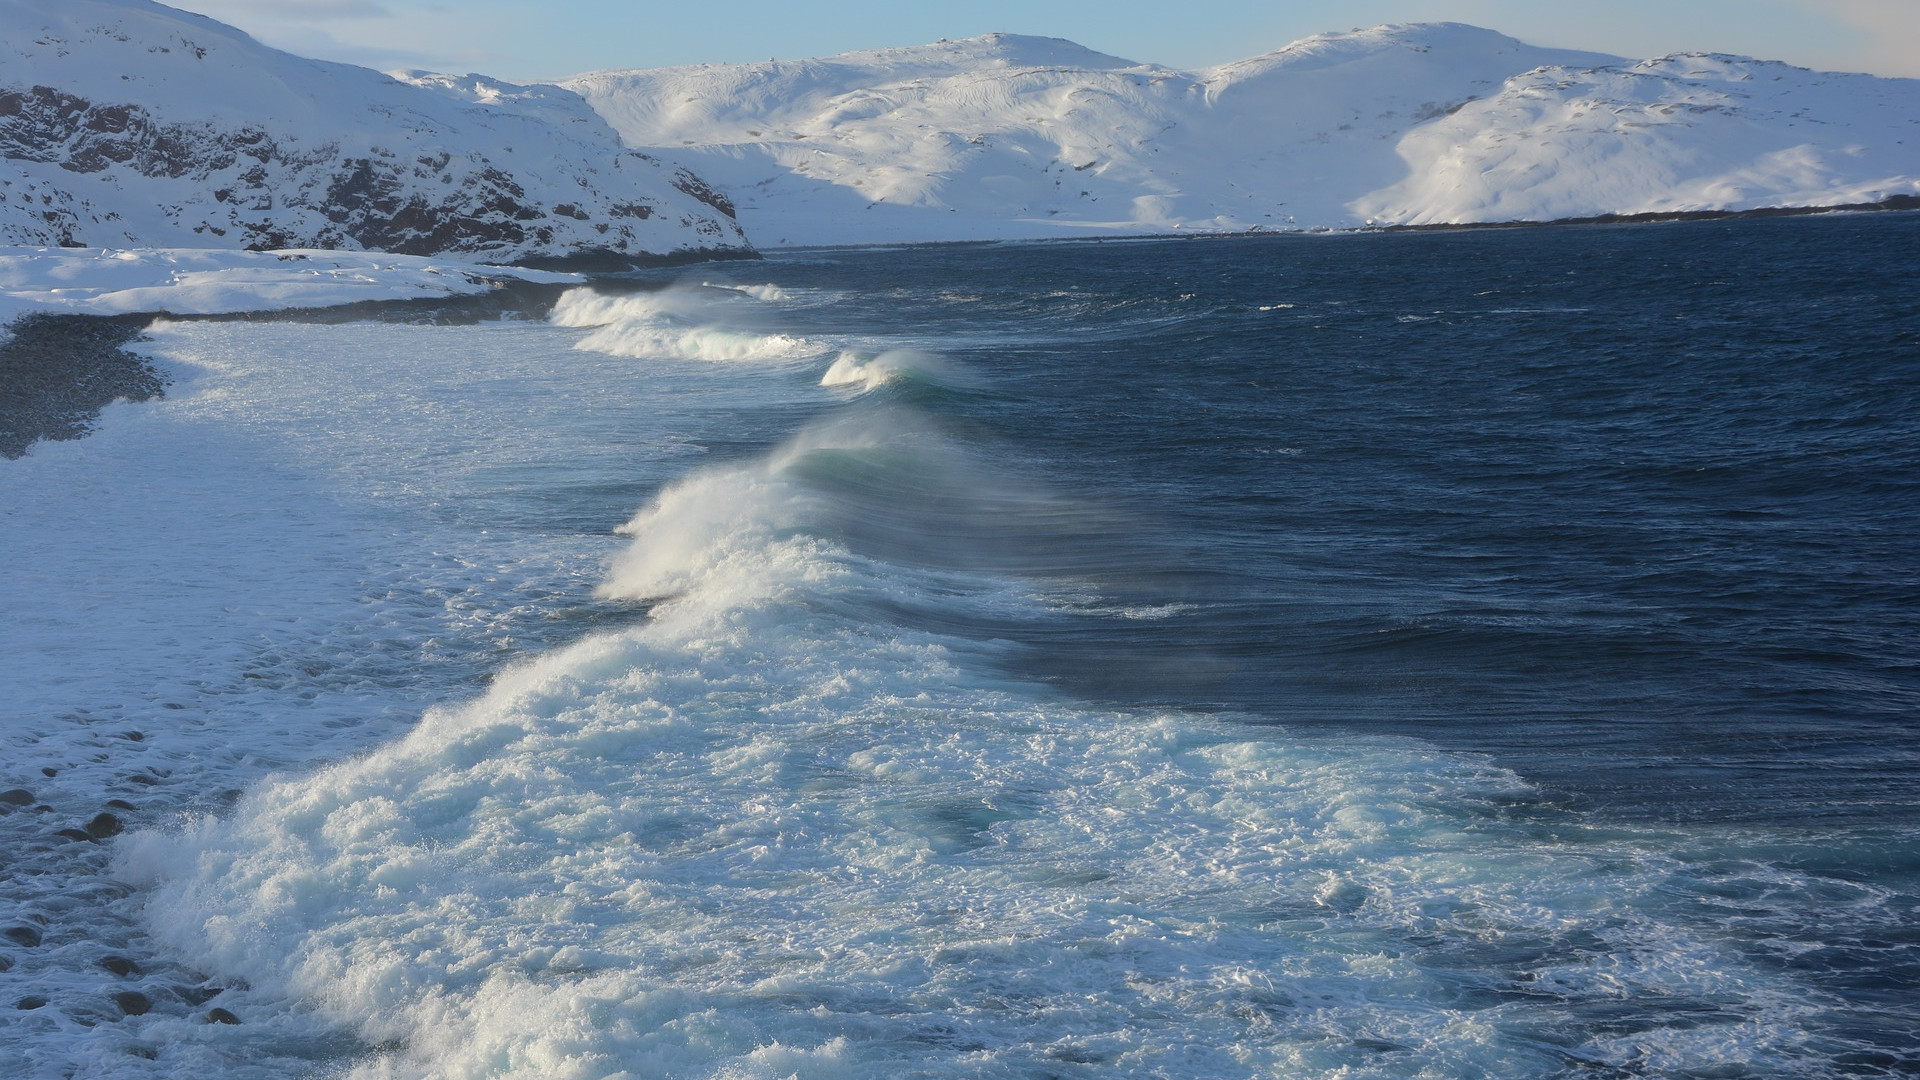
(124, 123)
(1007, 136)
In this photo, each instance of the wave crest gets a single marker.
(675, 324)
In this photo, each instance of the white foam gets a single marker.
(677, 324)
(867, 372)
(765, 293)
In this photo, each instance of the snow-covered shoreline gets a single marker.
(66, 314)
(209, 281)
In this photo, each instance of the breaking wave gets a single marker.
(865, 372)
(682, 323)
(779, 828)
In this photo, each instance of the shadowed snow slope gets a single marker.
(126, 123)
(1008, 136)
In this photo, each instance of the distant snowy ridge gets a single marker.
(1009, 136)
(124, 123)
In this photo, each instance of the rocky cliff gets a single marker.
(127, 123)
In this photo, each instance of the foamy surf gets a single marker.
(769, 832)
(677, 324)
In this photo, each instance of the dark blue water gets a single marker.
(1634, 509)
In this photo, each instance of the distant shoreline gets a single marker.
(1891, 204)
(58, 370)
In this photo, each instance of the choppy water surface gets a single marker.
(1454, 654)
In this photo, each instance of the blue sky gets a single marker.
(534, 39)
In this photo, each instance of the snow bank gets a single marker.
(213, 282)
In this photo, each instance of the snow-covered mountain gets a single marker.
(1008, 136)
(124, 123)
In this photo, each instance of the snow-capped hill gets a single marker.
(128, 123)
(1679, 133)
(1402, 53)
(1004, 136)
(1384, 64)
(727, 104)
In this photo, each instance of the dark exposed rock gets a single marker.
(103, 825)
(698, 188)
(272, 193)
(17, 797)
(25, 936)
(120, 966)
(32, 1001)
(133, 1002)
(78, 836)
(221, 1016)
(56, 372)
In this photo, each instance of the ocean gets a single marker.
(1473, 653)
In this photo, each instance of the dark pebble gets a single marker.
(221, 1016)
(17, 796)
(22, 935)
(75, 834)
(132, 1002)
(30, 1003)
(49, 772)
(102, 826)
(137, 736)
(142, 778)
(120, 965)
(121, 804)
